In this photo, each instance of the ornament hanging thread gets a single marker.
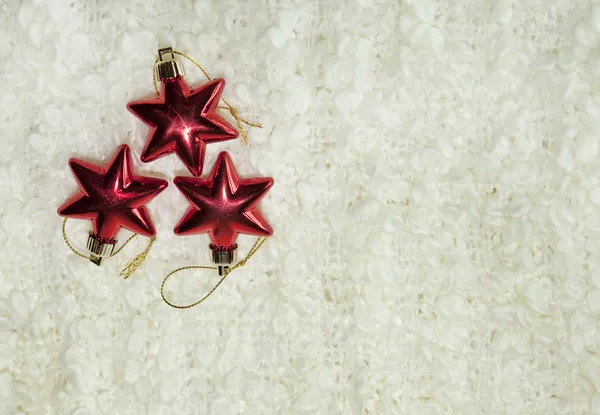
(259, 242)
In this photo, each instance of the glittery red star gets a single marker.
(183, 122)
(223, 205)
(112, 197)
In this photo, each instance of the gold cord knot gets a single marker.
(136, 262)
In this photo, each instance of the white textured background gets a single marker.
(436, 245)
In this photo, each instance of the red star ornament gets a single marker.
(112, 197)
(223, 205)
(183, 121)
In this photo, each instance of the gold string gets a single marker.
(232, 110)
(129, 268)
(154, 82)
(136, 262)
(239, 264)
(64, 235)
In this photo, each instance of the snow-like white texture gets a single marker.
(436, 210)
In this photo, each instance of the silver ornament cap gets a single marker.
(223, 257)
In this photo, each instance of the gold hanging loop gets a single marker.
(239, 264)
